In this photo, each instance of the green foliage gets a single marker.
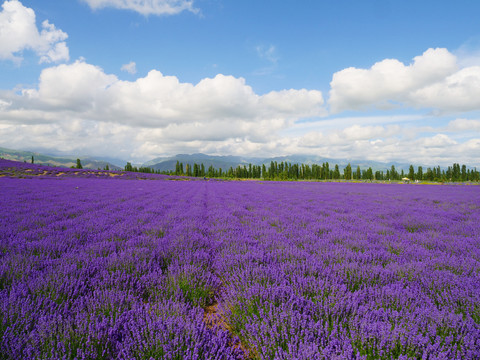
(284, 171)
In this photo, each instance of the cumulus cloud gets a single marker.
(130, 68)
(75, 87)
(18, 32)
(216, 108)
(393, 142)
(458, 92)
(460, 125)
(146, 7)
(79, 108)
(433, 80)
(438, 141)
(358, 132)
(384, 143)
(388, 80)
(297, 103)
(4, 105)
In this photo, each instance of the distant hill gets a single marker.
(218, 162)
(225, 162)
(87, 162)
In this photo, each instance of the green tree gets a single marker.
(211, 171)
(368, 174)
(411, 173)
(455, 173)
(33, 160)
(347, 172)
(393, 173)
(79, 164)
(272, 170)
(336, 172)
(419, 175)
(326, 170)
(128, 167)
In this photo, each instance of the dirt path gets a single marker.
(213, 317)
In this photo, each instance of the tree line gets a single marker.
(294, 171)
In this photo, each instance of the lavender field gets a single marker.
(94, 266)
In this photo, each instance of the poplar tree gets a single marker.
(347, 172)
(411, 173)
(336, 172)
(464, 173)
(393, 173)
(369, 174)
(326, 171)
(419, 173)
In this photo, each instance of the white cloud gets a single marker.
(468, 54)
(389, 80)
(438, 141)
(470, 150)
(78, 108)
(160, 107)
(19, 32)
(296, 103)
(433, 80)
(358, 132)
(75, 87)
(461, 125)
(4, 104)
(268, 53)
(392, 144)
(312, 139)
(76, 135)
(146, 7)
(458, 92)
(130, 68)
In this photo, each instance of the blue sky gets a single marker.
(380, 80)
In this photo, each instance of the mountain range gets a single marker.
(87, 162)
(225, 162)
(168, 163)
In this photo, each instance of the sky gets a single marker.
(383, 80)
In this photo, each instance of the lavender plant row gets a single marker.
(102, 268)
